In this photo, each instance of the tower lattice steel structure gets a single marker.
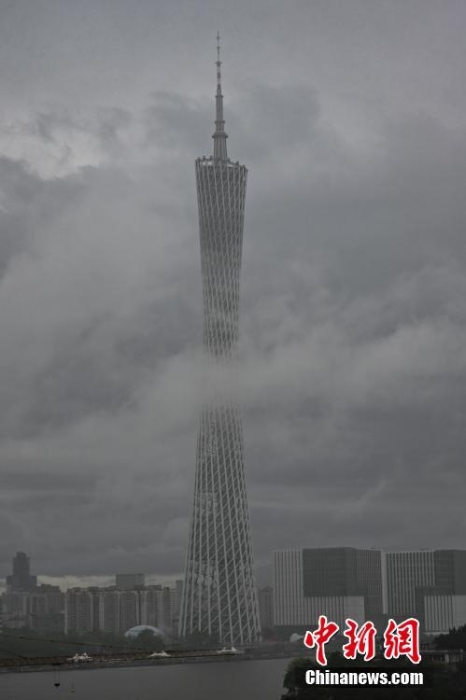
(219, 594)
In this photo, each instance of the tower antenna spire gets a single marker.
(219, 137)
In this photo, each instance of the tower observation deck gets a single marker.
(219, 595)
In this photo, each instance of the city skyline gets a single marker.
(339, 582)
(352, 329)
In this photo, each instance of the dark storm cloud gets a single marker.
(177, 125)
(353, 287)
(14, 481)
(18, 189)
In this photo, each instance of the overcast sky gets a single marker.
(350, 116)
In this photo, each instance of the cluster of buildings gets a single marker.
(118, 608)
(339, 582)
(26, 604)
(368, 584)
(114, 609)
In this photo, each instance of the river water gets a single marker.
(239, 680)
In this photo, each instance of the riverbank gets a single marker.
(33, 665)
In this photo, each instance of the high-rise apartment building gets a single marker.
(219, 596)
(116, 611)
(81, 613)
(109, 611)
(265, 600)
(129, 582)
(46, 609)
(16, 600)
(150, 606)
(21, 579)
(406, 573)
(15, 609)
(130, 614)
(429, 585)
(178, 596)
(340, 582)
(369, 585)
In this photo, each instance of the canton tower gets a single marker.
(219, 595)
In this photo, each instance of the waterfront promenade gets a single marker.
(23, 664)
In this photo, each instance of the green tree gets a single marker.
(455, 639)
(201, 640)
(148, 641)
